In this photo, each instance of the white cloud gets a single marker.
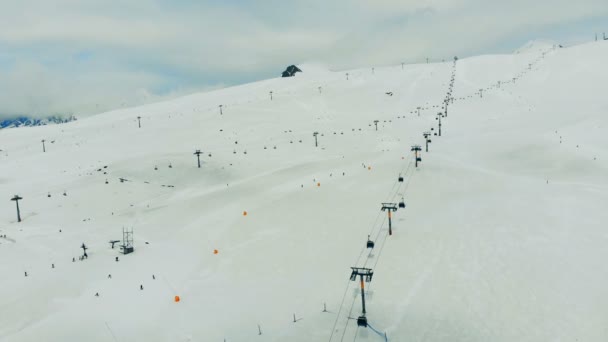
(169, 47)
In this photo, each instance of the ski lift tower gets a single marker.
(198, 156)
(127, 241)
(439, 116)
(390, 207)
(416, 149)
(364, 274)
(16, 198)
(427, 137)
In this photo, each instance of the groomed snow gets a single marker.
(503, 238)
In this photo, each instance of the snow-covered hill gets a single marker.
(503, 237)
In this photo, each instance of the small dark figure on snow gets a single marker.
(96, 294)
(153, 277)
(109, 276)
(141, 287)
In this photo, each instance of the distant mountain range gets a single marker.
(24, 121)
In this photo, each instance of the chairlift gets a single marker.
(400, 178)
(419, 159)
(402, 203)
(362, 321)
(370, 243)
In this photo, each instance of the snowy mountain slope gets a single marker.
(501, 239)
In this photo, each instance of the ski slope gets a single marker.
(503, 237)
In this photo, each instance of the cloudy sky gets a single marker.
(88, 56)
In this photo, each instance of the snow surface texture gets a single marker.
(503, 238)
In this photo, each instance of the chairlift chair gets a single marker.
(362, 321)
(370, 243)
(400, 178)
(402, 203)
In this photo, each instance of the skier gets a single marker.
(141, 287)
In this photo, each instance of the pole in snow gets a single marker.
(315, 135)
(319, 90)
(271, 95)
(481, 93)
(43, 146)
(139, 121)
(16, 198)
(390, 207)
(418, 109)
(221, 112)
(198, 157)
(347, 76)
(365, 275)
(376, 123)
